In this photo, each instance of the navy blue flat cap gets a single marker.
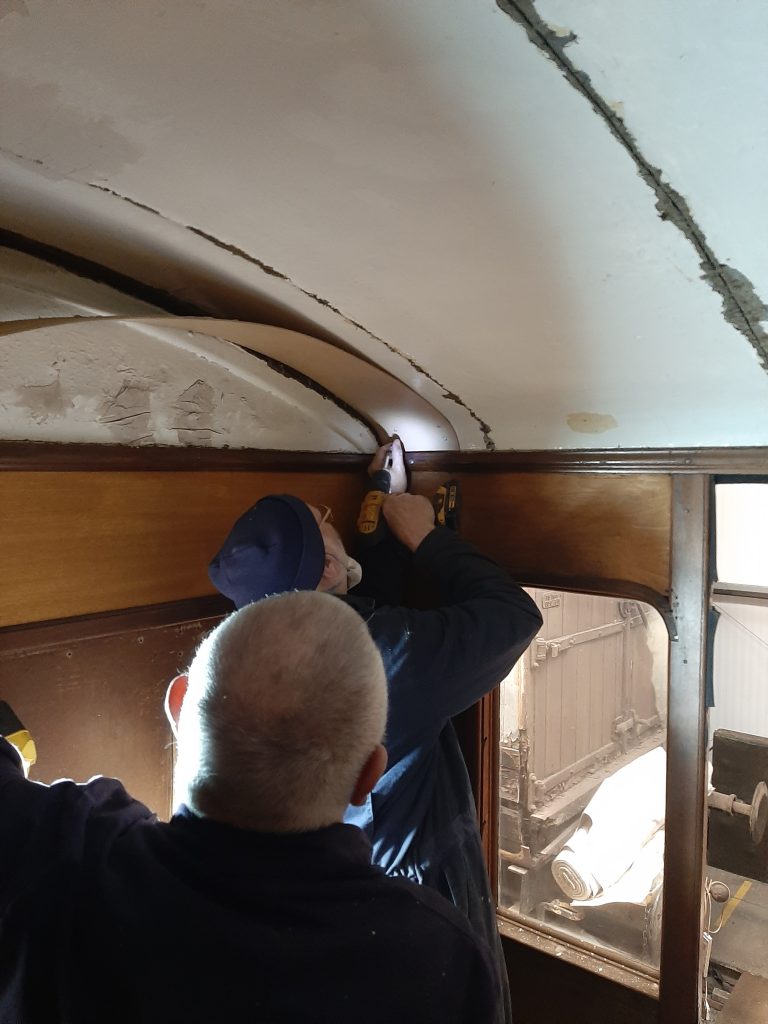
(274, 547)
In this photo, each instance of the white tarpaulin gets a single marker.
(619, 838)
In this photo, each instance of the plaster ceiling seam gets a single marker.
(280, 368)
(290, 373)
(155, 299)
(127, 199)
(743, 308)
(451, 396)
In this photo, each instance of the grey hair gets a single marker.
(286, 701)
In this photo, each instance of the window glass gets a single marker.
(582, 775)
(736, 890)
(742, 537)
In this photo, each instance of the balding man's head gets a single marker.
(286, 704)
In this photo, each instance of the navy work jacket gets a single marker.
(421, 818)
(107, 915)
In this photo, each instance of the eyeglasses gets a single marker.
(326, 515)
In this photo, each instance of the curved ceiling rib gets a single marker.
(386, 404)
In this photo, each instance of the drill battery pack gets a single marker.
(12, 730)
(446, 504)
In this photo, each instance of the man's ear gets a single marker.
(372, 771)
(174, 698)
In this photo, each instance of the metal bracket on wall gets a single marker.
(561, 644)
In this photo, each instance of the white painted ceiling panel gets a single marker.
(115, 382)
(689, 80)
(424, 183)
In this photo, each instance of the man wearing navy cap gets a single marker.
(420, 817)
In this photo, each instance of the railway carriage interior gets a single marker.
(244, 243)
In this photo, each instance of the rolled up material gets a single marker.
(624, 814)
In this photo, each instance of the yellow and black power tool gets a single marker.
(446, 504)
(370, 523)
(12, 730)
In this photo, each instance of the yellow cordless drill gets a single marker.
(370, 523)
(446, 504)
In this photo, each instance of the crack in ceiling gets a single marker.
(450, 396)
(742, 306)
(485, 429)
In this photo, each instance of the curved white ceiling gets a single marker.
(144, 382)
(79, 373)
(443, 187)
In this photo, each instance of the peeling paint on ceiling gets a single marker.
(742, 307)
(109, 383)
(515, 231)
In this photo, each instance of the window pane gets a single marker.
(737, 841)
(582, 786)
(742, 538)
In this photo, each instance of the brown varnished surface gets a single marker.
(551, 528)
(730, 462)
(684, 861)
(95, 705)
(39, 456)
(722, 461)
(76, 543)
(547, 990)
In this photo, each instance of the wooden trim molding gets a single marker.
(722, 461)
(37, 635)
(680, 986)
(43, 456)
(587, 957)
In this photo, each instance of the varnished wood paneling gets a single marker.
(74, 543)
(563, 529)
(546, 989)
(94, 704)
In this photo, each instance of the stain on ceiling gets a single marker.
(546, 219)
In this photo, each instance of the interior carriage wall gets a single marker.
(106, 594)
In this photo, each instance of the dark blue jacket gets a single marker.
(421, 817)
(107, 915)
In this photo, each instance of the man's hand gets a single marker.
(410, 517)
(390, 456)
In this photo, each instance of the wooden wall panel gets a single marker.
(94, 701)
(545, 989)
(551, 528)
(75, 543)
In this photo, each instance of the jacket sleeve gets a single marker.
(462, 650)
(385, 566)
(42, 827)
